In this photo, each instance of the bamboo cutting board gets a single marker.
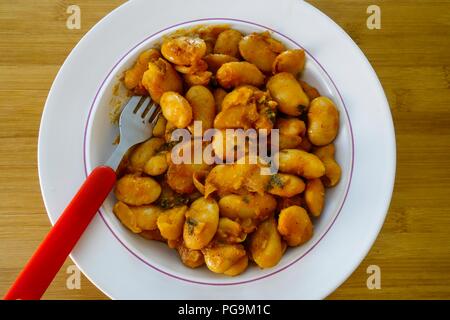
(411, 55)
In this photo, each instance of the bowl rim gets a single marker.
(161, 33)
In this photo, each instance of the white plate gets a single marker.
(75, 136)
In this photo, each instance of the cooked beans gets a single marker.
(265, 244)
(260, 49)
(176, 109)
(295, 226)
(323, 120)
(202, 220)
(292, 61)
(161, 77)
(184, 50)
(301, 163)
(228, 43)
(203, 105)
(228, 216)
(332, 168)
(234, 74)
(315, 196)
(136, 191)
(287, 91)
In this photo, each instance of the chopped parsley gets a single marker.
(170, 202)
(301, 108)
(275, 181)
(168, 146)
(213, 82)
(191, 223)
(271, 114)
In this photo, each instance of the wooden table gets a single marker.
(410, 53)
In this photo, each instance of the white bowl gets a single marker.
(101, 134)
(76, 135)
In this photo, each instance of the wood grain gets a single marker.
(410, 54)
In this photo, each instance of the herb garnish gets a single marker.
(275, 181)
(170, 202)
(271, 114)
(301, 108)
(168, 146)
(191, 223)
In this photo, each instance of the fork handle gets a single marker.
(45, 263)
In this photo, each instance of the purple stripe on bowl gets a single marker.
(332, 221)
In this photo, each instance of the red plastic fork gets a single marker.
(45, 263)
(39, 272)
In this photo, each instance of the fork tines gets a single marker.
(143, 106)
